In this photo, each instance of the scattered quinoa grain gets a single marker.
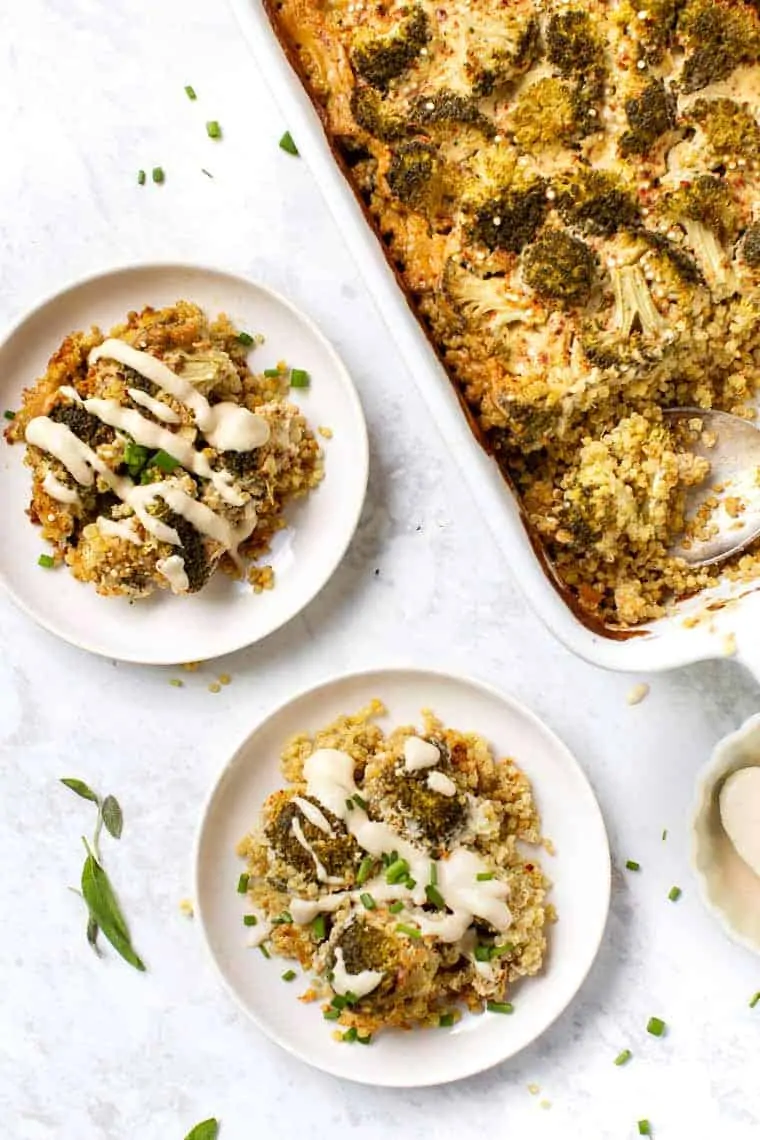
(325, 432)
(637, 694)
(215, 687)
(186, 907)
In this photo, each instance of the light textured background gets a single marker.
(90, 92)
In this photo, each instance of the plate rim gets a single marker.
(351, 392)
(420, 672)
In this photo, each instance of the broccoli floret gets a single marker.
(448, 109)
(751, 247)
(718, 36)
(512, 218)
(501, 48)
(730, 128)
(338, 853)
(679, 261)
(84, 425)
(381, 59)
(412, 175)
(650, 115)
(560, 268)
(550, 112)
(651, 25)
(191, 551)
(594, 200)
(484, 300)
(634, 307)
(708, 202)
(429, 816)
(573, 47)
(374, 115)
(366, 947)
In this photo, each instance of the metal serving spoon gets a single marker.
(734, 459)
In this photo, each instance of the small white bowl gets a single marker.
(729, 889)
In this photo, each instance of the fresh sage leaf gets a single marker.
(105, 911)
(80, 788)
(92, 934)
(112, 817)
(206, 1130)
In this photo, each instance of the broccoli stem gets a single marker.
(633, 302)
(712, 259)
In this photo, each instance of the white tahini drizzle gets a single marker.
(173, 569)
(314, 815)
(441, 783)
(322, 873)
(419, 753)
(329, 777)
(119, 528)
(226, 426)
(158, 408)
(58, 490)
(359, 984)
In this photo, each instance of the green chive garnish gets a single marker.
(435, 897)
(754, 1000)
(632, 865)
(624, 1057)
(645, 1128)
(140, 177)
(410, 883)
(351, 1034)
(433, 875)
(243, 883)
(367, 901)
(287, 144)
(410, 931)
(339, 1001)
(318, 928)
(366, 1040)
(500, 1007)
(499, 951)
(289, 975)
(396, 907)
(9, 415)
(250, 920)
(482, 953)
(190, 92)
(397, 871)
(351, 997)
(360, 802)
(283, 919)
(213, 130)
(485, 876)
(300, 379)
(157, 174)
(245, 338)
(446, 1020)
(47, 561)
(664, 834)
(164, 462)
(656, 1026)
(349, 803)
(674, 894)
(331, 1014)
(365, 869)
(135, 456)
(272, 374)
(264, 951)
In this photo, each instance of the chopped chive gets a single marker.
(351, 1034)
(446, 1020)
(141, 177)
(331, 1014)
(410, 883)
(410, 931)
(176, 683)
(482, 953)
(500, 951)
(164, 462)
(157, 174)
(250, 920)
(500, 1007)
(349, 803)
(318, 928)
(664, 834)
(396, 907)
(190, 92)
(366, 1040)
(243, 883)
(434, 896)
(283, 919)
(397, 871)
(9, 415)
(264, 951)
(674, 894)
(213, 130)
(360, 803)
(206, 172)
(367, 901)
(287, 144)
(299, 378)
(632, 865)
(645, 1128)
(289, 976)
(245, 338)
(365, 869)
(656, 1026)
(135, 456)
(272, 374)
(433, 874)
(339, 1001)
(485, 876)
(47, 561)
(754, 1000)
(624, 1057)
(351, 997)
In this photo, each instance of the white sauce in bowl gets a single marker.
(739, 802)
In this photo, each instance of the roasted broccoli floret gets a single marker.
(338, 853)
(730, 128)
(650, 114)
(191, 551)
(560, 268)
(413, 174)
(85, 426)
(707, 200)
(550, 112)
(373, 114)
(718, 36)
(651, 25)
(512, 217)
(381, 59)
(573, 48)
(428, 815)
(594, 200)
(679, 261)
(485, 301)
(751, 247)
(634, 307)
(501, 48)
(366, 947)
(448, 109)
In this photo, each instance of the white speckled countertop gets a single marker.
(89, 93)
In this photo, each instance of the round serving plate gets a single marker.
(226, 615)
(579, 872)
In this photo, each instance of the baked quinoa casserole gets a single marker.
(157, 455)
(391, 869)
(570, 195)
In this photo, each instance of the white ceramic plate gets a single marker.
(226, 615)
(580, 872)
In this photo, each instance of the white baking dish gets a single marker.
(728, 617)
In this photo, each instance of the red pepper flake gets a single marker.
(529, 867)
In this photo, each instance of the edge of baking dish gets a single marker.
(724, 621)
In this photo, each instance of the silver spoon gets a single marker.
(734, 459)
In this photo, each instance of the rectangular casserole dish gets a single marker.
(720, 622)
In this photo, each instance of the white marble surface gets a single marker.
(90, 92)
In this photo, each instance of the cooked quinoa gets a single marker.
(376, 866)
(146, 479)
(569, 194)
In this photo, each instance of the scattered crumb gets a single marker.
(325, 432)
(664, 834)
(691, 622)
(186, 907)
(534, 1090)
(175, 681)
(729, 645)
(546, 1104)
(224, 679)
(309, 995)
(192, 666)
(215, 687)
(548, 847)
(637, 694)
(261, 578)
(337, 1035)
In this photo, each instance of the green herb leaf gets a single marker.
(500, 1007)
(190, 92)
(754, 1000)
(157, 174)
(243, 882)
(9, 415)
(645, 1128)
(656, 1026)
(105, 911)
(80, 788)
(246, 339)
(623, 1058)
(446, 1020)
(287, 144)
(206, 1130)
(47, 561)
(674, 894)
(92, 934)
(213, 129)
(632, 865)
(112, 817)
(140, 177)
(299, 378)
